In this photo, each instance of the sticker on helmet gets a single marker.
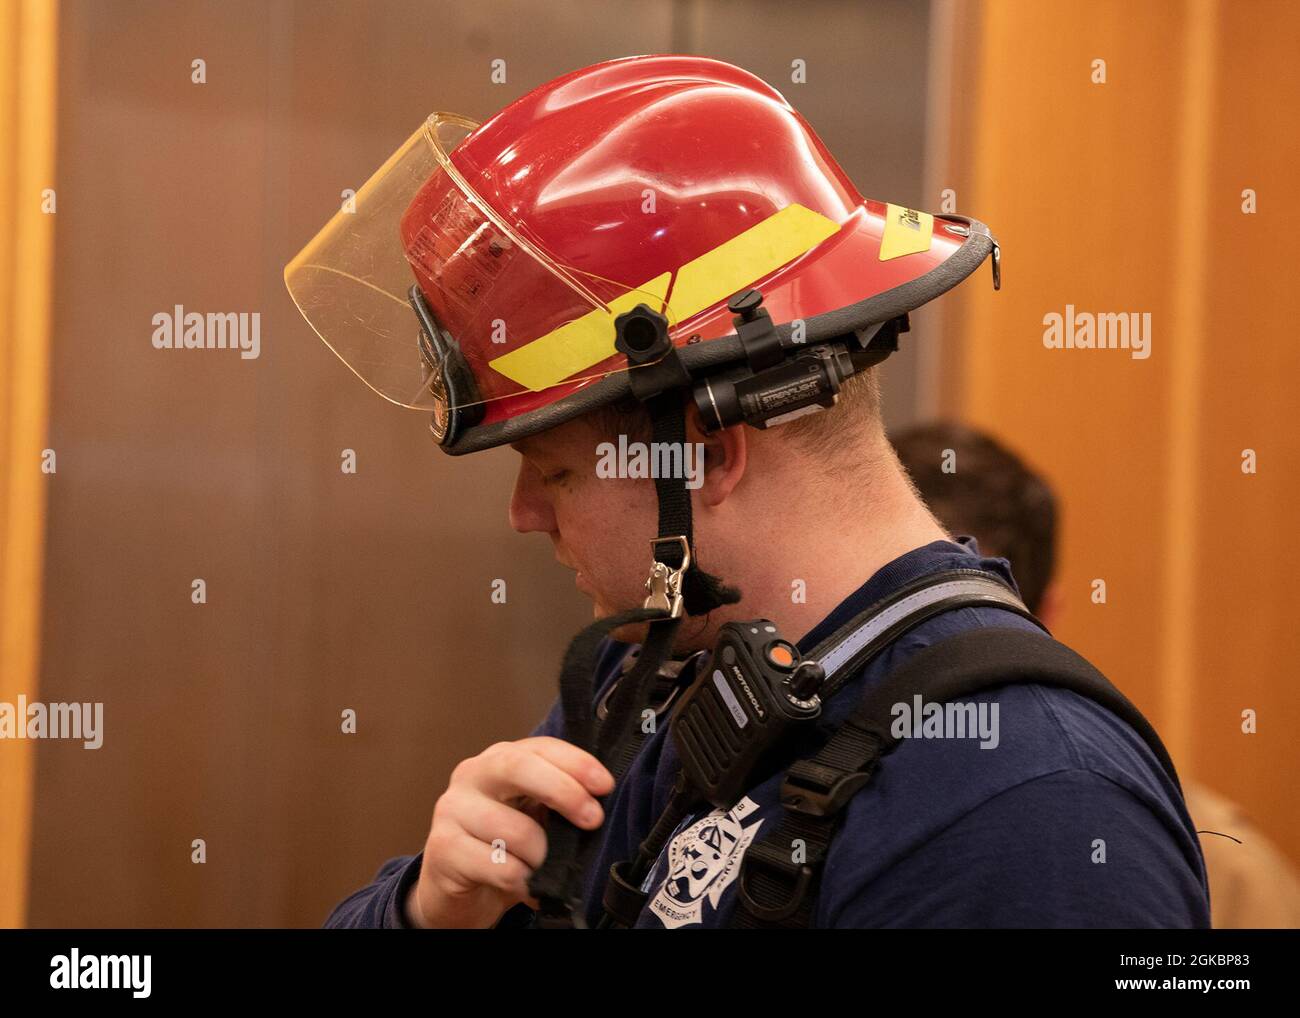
(906, 232)
(462, 274)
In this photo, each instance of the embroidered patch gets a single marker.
(703, 860)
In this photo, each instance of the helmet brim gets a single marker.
(843, 260)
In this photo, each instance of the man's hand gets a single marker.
(502, 795)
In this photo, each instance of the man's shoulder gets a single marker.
(954, 762)
(1029, 728)
(1065, 849)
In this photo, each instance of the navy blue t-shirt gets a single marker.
(1068, 821)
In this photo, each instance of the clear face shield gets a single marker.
(440, 302)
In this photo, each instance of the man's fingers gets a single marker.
(497, 824)
(590, 772)
(509, 770)
(465, 863)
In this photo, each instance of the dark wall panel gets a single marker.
(325, 591)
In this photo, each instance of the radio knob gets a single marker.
(807, 680)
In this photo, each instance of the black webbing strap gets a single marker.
(557, 883)
(619, 738)
(624, 899)
(664, 687)
(701, 591)
(843, 654)
(777, 888)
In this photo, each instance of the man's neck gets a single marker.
(796, 561)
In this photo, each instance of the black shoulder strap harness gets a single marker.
(842, 656)
(773, 890)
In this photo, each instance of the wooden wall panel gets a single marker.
(325, 591)
(28, 123)
(1127, 197)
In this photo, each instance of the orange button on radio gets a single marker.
(781, 654)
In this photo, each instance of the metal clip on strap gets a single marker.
(664, 585)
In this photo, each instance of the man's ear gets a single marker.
(726, 456)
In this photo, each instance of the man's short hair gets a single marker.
(989, 493)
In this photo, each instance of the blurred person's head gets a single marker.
(978, 487)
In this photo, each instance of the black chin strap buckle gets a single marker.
(664, 586)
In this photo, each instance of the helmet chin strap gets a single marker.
(675, 564)
(676, 586)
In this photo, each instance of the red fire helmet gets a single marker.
(483, 267)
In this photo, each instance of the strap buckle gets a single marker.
(816, 790)
(664, 585)
(763, 855)
(675, 681)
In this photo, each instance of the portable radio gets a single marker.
(746, 698)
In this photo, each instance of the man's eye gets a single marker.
(555, 478)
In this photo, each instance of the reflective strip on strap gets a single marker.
(839, 655)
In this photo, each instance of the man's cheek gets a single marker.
(619, 587)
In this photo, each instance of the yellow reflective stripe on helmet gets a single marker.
(906, 232)
(578, 344)
(700, 283)
(736, 263)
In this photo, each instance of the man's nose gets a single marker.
(530, 509)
